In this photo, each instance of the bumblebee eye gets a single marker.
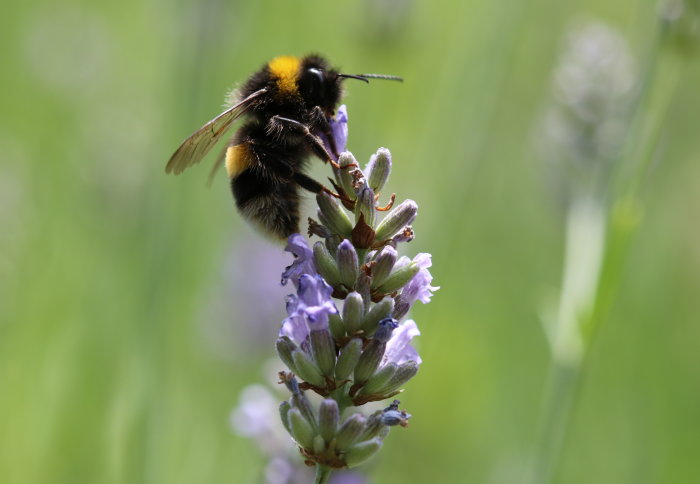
(316, 76)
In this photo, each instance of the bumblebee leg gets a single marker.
(279, 124)
(320, 122)
(313, 186)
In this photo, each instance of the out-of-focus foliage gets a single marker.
(127, 301)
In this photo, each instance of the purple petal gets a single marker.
(419, 288)
(303, 259)
(339, 128)
(398, 348)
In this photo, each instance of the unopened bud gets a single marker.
(379, 379)
(285, 348)
(307, 369)
(362, 451)
(348, 358)
(323, 348)
(399, 278)
(350, 431)
(383, 309)
(397, 219)
(345, 178)
(301, 429)
(348, 265)
(378, 169)
(325, 264)
(328, 419)
(332, 215)
(353, 312)
(365, 205)
(384, 263)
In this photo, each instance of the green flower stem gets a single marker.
(557, 410)
(323, 474)
(665, 69)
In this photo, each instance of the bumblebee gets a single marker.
(288, 104)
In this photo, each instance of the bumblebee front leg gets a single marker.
(279, 124)
(313, 186)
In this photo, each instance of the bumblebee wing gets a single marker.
(217, 164)
(194, 148)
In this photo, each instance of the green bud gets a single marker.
(365, 205)
(323, 348)
(350, 431)
(353, 312)
(336, 325)
(404, 372)
(301, 429)
(399, 278)
(285, 407)
(328, 418)
(348, 358)
(307, 369)
(379, 311)
(397, 219)
(301, 403)
(319, 445)
(285, 348)
(362, 452)
(378, 169)
(344, 177)
(332, 215)
(369, 361)
(348, 265)
(325, 264)
(379, 379)
(383, 264)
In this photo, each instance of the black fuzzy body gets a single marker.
(281, 134)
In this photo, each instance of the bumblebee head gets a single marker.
(312, 79)
(319, 84)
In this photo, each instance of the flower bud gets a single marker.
(361, 452)
(399, 278)
(404, 372)
(323, 348)
(379, 379)
(348, 358)
(369, 360)
(397, 219)
(301, 403)
(348, 265)
(378, 169)
(301, 429)
(328, 419)
(379, 311)
(353, 312)
(285, 348)
(383, 264)
(344, 176)
(307, 369)
(335, 324)
(332, 215)
(325, 264)
(319, 444)
(365, 205)
(350, 431)
(284, 409)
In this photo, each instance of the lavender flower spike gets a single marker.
(362, 354)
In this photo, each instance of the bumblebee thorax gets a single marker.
(285, 70)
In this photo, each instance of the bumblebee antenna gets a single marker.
(381, 76)
(352, 76)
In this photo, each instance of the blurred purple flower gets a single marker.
(303, 259)
(398, 348)
(309, 309)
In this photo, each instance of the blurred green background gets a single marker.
(125, 328)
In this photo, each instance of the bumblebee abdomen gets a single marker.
(272, 207)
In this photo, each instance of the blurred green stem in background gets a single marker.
(597, 241)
